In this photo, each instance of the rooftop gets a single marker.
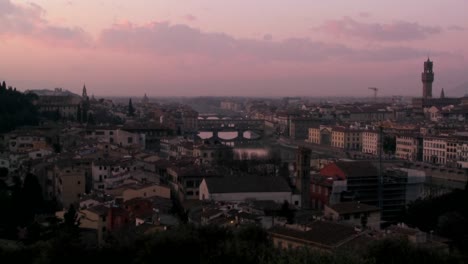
(327, 234)
(247, 183)
(353, 207)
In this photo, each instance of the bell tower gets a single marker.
(427, 78)
(84, 95)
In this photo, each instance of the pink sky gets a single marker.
(233, 47)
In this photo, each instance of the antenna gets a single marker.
(375, 92)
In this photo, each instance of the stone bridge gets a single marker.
(232, 125)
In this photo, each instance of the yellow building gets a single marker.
(370, 142)
(338, 137)
(146, 191)
(70, 184)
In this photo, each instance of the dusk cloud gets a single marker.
(267, 37)
(162, 38)
(190, 17)
(28, 21)
(456, 28)
(364, 14)
(166, 39)
(396, 31)
(395, 54)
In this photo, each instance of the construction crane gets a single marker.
(375, 92)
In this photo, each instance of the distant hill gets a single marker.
(55, 92)
(458, 91)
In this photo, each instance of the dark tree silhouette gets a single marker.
(16, 109)
(131, 109)
(287, 212)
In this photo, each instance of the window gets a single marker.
(346, 217)
(129, 140)
(189, 193)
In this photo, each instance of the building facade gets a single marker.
(370, 142)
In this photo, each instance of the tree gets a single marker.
(79, 115)
(3, 172)
(16, 109)
(32, 193)
(287, 212)
(71, 222)
(131, 110)
(389, 144)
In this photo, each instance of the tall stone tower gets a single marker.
(427, 78)
(303, 175)
(84, 95)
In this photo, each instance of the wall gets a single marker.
(71, 185)
(149, 191)
(278, 197)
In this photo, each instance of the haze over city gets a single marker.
(232, 48)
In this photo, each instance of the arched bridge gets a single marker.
(208, 116)
(232, 125)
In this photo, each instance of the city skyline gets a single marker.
(234, 48)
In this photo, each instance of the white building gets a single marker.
(435, 150)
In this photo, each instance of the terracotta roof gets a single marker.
(357, 168)
(327, 234)
(247, 183)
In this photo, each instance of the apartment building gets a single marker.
(435, 150)
(370, 142)
(70, 183)
(409, 147)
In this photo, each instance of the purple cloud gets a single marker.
(28, 21)
(164, 38)
(175, 40)
(396, 31)
(456, 28)
(364, 14)
(267, 37)
(190, 17)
